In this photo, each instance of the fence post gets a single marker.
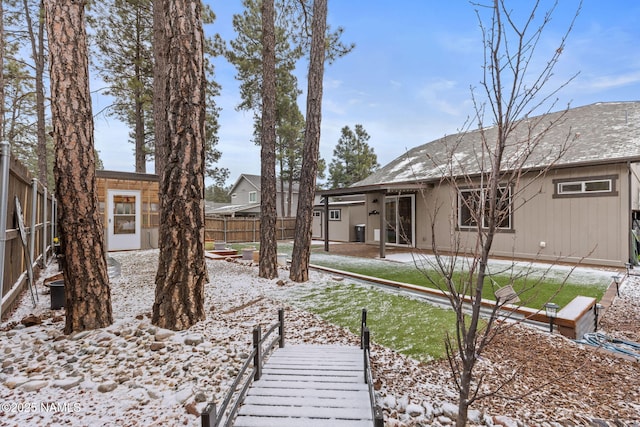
(257, 358)
(5, 153)
(281, 327)
(208, 416)
(363, 324)
(365, 340)
(44, 227)
(34, 218)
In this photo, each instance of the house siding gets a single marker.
(587, 229)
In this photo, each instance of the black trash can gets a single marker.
(360, 233)
(57, 294)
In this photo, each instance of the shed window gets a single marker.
(334, 214)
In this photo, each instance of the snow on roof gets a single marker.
(597, 133)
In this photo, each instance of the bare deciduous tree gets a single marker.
(486, 189)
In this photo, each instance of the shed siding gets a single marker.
(149, 188)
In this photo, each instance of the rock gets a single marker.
(163, 334)
(474, 416)
(193, 340)
(14, 382)
(449, 410)
(107, 386)
(501, 420)
(444, 420)
(34, 385)
(155, 346)
(79, 335)
(414, 410)
(67, 383)
(6, 363)
(389, 401)
(31, 320)
(281, 282)
(200, 397)
(192, 409)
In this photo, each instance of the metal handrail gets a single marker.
(376, 411)
(212, 418)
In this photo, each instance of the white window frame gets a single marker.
(335, 215)
(253, 197)
(584, 186)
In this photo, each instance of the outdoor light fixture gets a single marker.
(617, 279)
(551, 309)
(597, 309)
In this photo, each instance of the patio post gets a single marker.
(383, 224)
(325, 224)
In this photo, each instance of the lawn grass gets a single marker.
(535, 290)
(408, 325)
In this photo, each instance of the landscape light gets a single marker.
(597, 309)
(551, 309)
(617, 280)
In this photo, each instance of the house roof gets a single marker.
(231, 209)
(595, 134)
(255, 181)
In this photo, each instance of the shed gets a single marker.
(130, 206)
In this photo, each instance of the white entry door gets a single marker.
(123, 230)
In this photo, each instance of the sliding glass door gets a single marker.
(400, 219)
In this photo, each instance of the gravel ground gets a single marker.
(135, 374)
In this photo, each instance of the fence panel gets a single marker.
(37, 208)
(240, 230)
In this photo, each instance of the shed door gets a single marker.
(123, 230)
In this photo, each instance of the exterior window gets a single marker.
(334, 214)
(253, 197)
(473, 205)
(317, 213)
(585, 187)
(599, 186)
(234, 195)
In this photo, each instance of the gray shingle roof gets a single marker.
(596, 133)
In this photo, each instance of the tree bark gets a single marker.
(304, 216)
(87, 292)
(182, 272)
(268, 267)
(159, 86)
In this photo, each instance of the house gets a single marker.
(246, 196)
(130, 207)
(346, 219)
(585, 207)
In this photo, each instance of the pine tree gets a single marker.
(88, 295)
(182, 272)
(353, 158)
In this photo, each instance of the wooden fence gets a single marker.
(236, 230)
(37, 206)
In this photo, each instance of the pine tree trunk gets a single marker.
(268, 267)
(88, 296)
(182, 272)
(304, 216)
(159, 86)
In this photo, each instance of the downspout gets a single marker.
(5, 153)
(325, 223)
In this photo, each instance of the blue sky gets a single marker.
(408, 79)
